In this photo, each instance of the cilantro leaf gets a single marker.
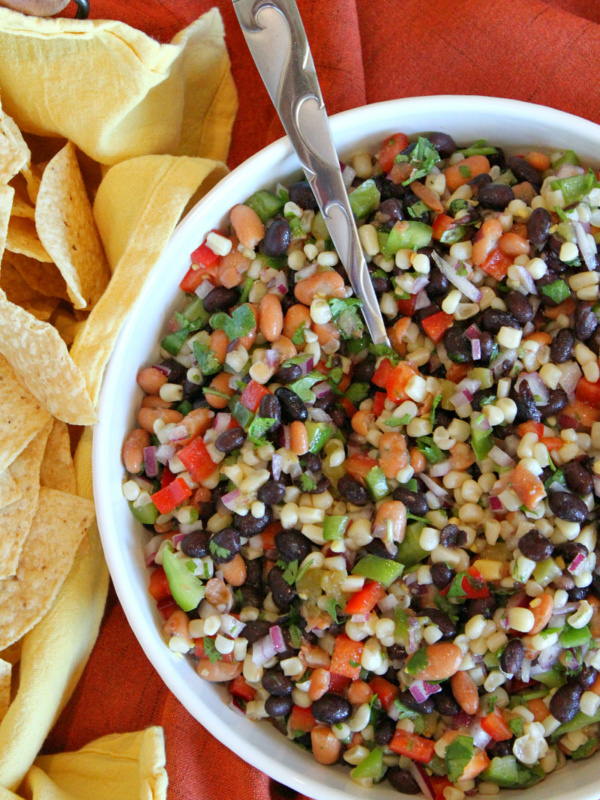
(417, 662)
(307, 484)
(336, 375)
(332, 606)
(464, 171)
(557, 291)
(416, 518)
(436, 401)
(404, 711)
(345, 315)
(301, 359)
(295, 635)
(353, 663)
(258, 427)
(207, 361)
(384, 350)
(303, 569)
(357, 392)
(394, 422)
(458, 754)
(217, 550)
(430, 450)
(556, 477)
(290, 571)
(298, 337)
(239, 324)
(516, 726)
(210, 650)
(424, 157)
(302, 386)
(492, 703)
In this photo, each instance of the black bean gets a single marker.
(415, 502)
(497, 158)
(250, 596)
(192, 391)
(578, 478)
(523, 171)
(402, 781)
(586, 321)
(278, 706)
(564, 703)
(276, 683)
(312, 462)
(481, 395)
(338, 417)
(481, 605)
(562, 346)
(249, 526)
(302, 194)
(555, 243)
(195, 544)
(594, 587)
(270, 408)
(500, 749)
(496, 196)
(283, 593)
(443, 621)
(568, 506)
(493, 319)
(445, 703)
(352, 490)
(449, 535)
(177, 371)
(364, 371)
(443, 143)
(538, 226)
(578, 593)
(289, 373)
(254, 571)
(397, 653)
(512, 657)
(536, 546)
(388, 188)
(587, 676)
(557, 400)
(423, 313)
(220, 299)
(415, 208)
(375, 547)
(438, 284)
(292, 545)
(457, 345)
(519, 306)
(271, 492)
(568, 551)
(526, 406)
(480, 182)
(486, 341)
(390, 212)
(256, 629)
(292, 408)
(384, 731)
(225, 545)
(331, 709)
(381, 285)
(230, 440)
(409, 701)
(441, 575)
(277, 238)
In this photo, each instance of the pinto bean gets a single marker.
(391, 512)
(247, 225)
(465, 692)
(486, 238)
(443, 661)
(298, 438)
(221, 383)
(321, 284)
(296, 316)
(271, 317)
(133, 450)
(234, 571)
(325, 747)
(219, 670)
(151, 379)
(232, 268)
(148, 416)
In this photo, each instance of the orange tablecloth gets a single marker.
(543, 51)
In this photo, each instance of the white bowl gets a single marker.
(503, 122)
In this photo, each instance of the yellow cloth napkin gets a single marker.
(179, 99)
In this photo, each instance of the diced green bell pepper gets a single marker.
(568, 157)
(524, 697)
(239, 411)
(334, 527)
(407, 235)
(491, 660)
(410, 551)
(574, 637)
(546, 571)
(453, 235)
(248, 283)
(483, 375)
(146, 514)
(173, 342)
(481, 442)
(585, 750)
(186, 588)
(382, 570)
(184, 407)
(507, 772)
(553, 678)
(266, 204)
(319, 433)
(580, 720)
(377, 483)
(557, 290)
(371, 768)
(574, 188)
(365, 199)
(196, 312)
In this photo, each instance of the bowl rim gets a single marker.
(154, 647)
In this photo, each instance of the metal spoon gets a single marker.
(277, 41)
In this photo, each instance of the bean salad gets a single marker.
(390, 552)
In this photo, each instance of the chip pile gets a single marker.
(52, 272)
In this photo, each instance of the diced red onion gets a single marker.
(571, 375)
(460, 403)
(480, 738)
(596, 485)
(295, 470)
(473, 332)
(462, 282)
(348, 175)
(441, 469)
(387, 603)
(481, 424)
(501, 458)
(235, 706)
(422, 778)
(306, 366)
(410, 578)
(272, 358)
(178, 433)
(164, 453)
(568, 170)
(476, 349)
(496, 503)
(322, 388)
(306, 272)
(508, 357)
(144, 484)
(276, 463)
(576, 563)
(150, 463)
(230, 626)
(525, 279)
(151, 549)
(161, 368)
(178, 538)
(222, 422)
(419, 284)
(438, 491)
(263, 650)
(468, 386)
(236, 501)
(547, 658)
(278, 640)
(421, 690)
(359, 618)
(461, 720)
(204, 289)
(285, 436)
(538, 388)
(318, 415)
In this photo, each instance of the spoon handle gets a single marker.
(277, 41)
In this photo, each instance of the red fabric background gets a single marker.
(543, 51)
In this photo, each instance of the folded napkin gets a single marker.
(150, 110)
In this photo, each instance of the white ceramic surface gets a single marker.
(503, 122)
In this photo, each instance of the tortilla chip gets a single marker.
(58, 471)
(65, 223)
(66, 323)
(21, 208)
(33, 178)
(21, 415)
(12, 654)
(45, 278)
(43, 363)
(60, 524)
(16, 519)
(5, 676)
(9, 491)
(7, 194)
(20, 292)
(22, 237)
(14, 153)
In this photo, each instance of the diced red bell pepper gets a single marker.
(390, 148)
(385, 691)
(397, 381)
(588, 392)
(379, 403)
(159, 585)
(365, 600)
(439, 783)
(412, 746)
(530, 427)
(171, 496)
(407, 305)
(552, 442)
(443, 223)
(348, 407)
(528, 486)
(346, 657)
(252, 395)
(359, 465)
(302, 719)
(204, 265)
(195, 458)
(239, 687)
(456, 372)
(166, 478)
(338, 683)
(436, 325)
(495, 726)
(382, 372)
(496, 264)
(474, 584)
(166, 607)
(205, 256)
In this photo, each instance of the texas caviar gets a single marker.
(391, 552)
